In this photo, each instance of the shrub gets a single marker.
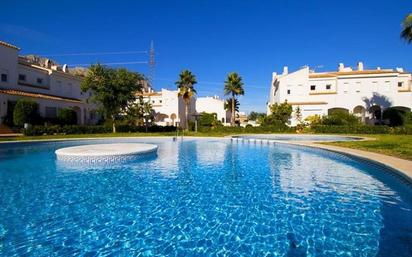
(395, 117)
(67, 116)
(85, 129)
(25, 111)
(358, 129)
(280, 114)
(340, 118)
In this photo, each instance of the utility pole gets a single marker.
(152, 65)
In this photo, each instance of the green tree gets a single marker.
(112, 89)
(185, 85)
(280, 114)
(25, 111)
(407, 28)
(256, 116)
(67, 116)
(148, 114)
(340, 118)
(233, 87)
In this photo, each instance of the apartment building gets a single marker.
(213, 104)
(169, 107)
(40, 79)
(364, 92)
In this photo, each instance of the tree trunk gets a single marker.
(146, 125)
(113, 124)
(233, 111)
(186, 115)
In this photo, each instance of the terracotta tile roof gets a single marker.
(346, 73)
(37, 95)
(307, 103)
(9, 45)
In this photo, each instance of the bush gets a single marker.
(25, 111)
(85, 129)
(340, 118)
(67, 116)
(395, 117)
(359, 129)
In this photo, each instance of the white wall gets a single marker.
(212, 105)
(347, 90)
(55, 83)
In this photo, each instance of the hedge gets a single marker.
(84, 129)
(361, 129)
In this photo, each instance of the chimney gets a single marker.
(360, 66)
(341, 67)
(378, 68)
(285, 70)
(65, 68)
(47, 63)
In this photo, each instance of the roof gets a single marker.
(37, 95)
(347, 73)
(9, 45)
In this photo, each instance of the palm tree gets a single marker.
(407, 28)
(228, 105)
(147, 113)
(233, 87)
(186, 90)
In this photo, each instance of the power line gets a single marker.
(96, 53)
(110, 63)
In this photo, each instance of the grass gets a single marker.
(393, 145)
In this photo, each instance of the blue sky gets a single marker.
(213, 38)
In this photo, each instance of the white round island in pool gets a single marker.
(105, 153)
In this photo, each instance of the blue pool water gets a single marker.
(202, 197)
(294, 137)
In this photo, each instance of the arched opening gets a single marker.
(375, 112)
(337, 110)
(359, 111)
(160, 117)
(78, 114)
(402, 108)
(173, 117)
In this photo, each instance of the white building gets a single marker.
(213, 105)
(50, 85)
(169, 107)
(365, 93)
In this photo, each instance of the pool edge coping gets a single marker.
(400, 166)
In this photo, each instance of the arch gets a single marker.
(337, 109)
(402, 108)
(360, 111)
(173, 116)
(78, 111)
(375, 113)
(160, 117)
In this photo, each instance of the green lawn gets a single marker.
(394, 145)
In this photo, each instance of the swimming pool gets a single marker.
(201, 197)
(297, 137)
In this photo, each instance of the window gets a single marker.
(400, 84)
(153, 102)
(39, 80)
(160, 101)
(328, 87)
(288, 91)
(50, 112)
(22, 77)
(313, 87)
(3, 77)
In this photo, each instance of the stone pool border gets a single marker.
(400, 166)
